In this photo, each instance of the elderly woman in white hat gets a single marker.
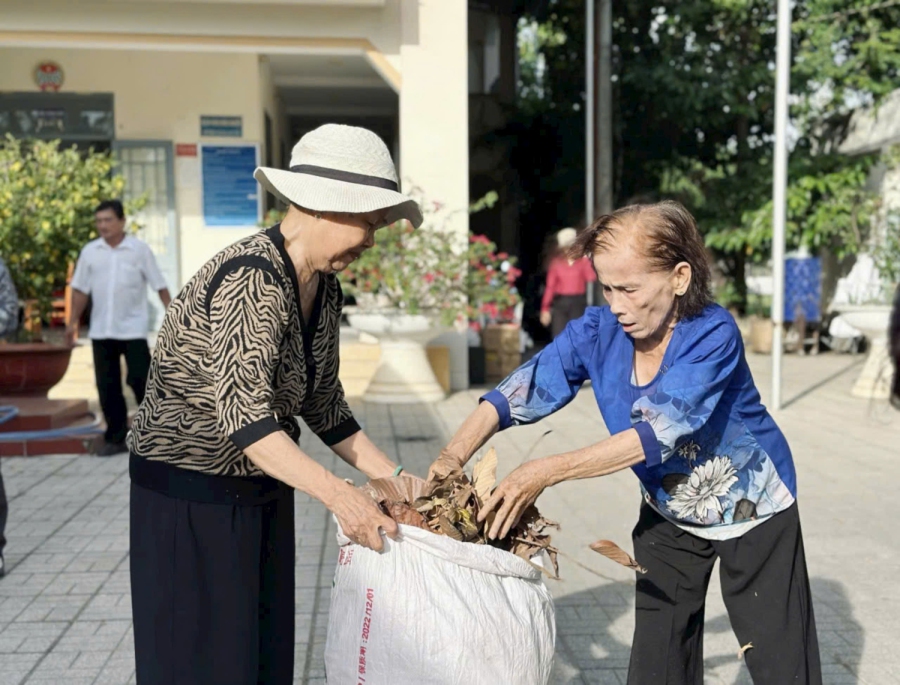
(565, 294)
(250, 343)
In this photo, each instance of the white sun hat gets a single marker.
(566, 237)
(338, 168)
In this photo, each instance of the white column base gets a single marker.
(404, 375)
(874, 381)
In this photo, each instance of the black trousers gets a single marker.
(212, 590)
(566, 308)
(4, 512)
(766, 591)
(108, 373)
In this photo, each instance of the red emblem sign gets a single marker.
(48, 76)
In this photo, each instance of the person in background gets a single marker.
(565, 297)
(894, 342)
(534, 282)
(9, 322)
(114, 270)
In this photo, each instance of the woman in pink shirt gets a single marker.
(565, 297)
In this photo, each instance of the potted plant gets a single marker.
(872, 317)
(47, 200)
(413, 282)
(408, 288)
(492, 300)
(759, 309)
(410, 274)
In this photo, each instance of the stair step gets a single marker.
(38, 413)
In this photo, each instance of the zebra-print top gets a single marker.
(234, 362)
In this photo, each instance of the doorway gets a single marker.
(148, 168)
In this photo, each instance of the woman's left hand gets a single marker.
(516, 492)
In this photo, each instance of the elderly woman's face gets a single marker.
(641, 298)
(347, 236)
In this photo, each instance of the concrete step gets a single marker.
(358, 363)
(44, 415)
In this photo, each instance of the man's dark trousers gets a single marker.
(108, 372)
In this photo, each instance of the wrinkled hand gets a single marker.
(514, 495)
(545, 319)
(444, 465)
(362, 521)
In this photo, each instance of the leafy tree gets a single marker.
(47, 200)
(694, 106)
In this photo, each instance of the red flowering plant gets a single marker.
(416, 271)
(490, 283)
(432, 271)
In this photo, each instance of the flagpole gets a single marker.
(779, 194)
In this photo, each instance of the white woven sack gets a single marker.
(433, 611)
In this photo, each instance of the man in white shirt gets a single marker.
(114, 271)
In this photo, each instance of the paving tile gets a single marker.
(65, 607)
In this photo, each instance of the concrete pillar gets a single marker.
(434, 121)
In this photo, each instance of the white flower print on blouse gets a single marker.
(701, 492)
(689, 451)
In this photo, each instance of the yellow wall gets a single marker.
(161, 96)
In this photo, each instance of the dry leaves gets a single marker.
(484, 476)
(611, 550)
(449, 505)
(405, 514)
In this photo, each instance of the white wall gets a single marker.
(273, 107)
(434, 121)
(872, 129)
(379, 24)
(160, 96)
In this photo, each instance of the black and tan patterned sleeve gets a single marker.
(248, 312)
(327, 413)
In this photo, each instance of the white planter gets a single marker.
(874, 380)
(404, 375)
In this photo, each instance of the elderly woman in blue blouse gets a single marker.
(668, 372)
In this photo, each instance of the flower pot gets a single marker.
(393, 324)
(501, 337)
(761, 331)
(874, 381)
(404, 374)
(31, 369)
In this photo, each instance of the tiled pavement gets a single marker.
(65, 605)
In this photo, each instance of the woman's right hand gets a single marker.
(362, 521)
(545, 319)
(446, 464)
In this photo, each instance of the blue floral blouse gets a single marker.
(714, 455)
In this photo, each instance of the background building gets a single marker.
(192, 94)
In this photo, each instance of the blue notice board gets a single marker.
(230, 193)
(803, 288)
